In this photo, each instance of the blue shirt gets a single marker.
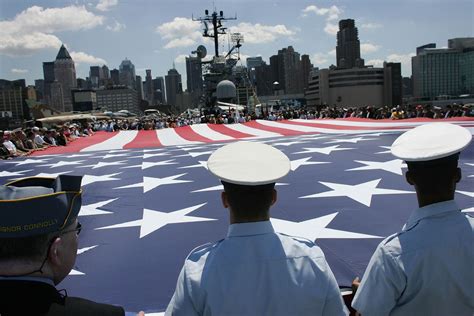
(426, 269)
(255, 271)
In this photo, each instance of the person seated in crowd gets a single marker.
(61, 139)
(39, 137)
(10, 146)
(30, 141)
(426, 268)
(50, 138)
(254, 270)
(4, 153)
(19, 139)
(35, 260)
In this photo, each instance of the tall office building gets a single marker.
(127, 73)
(194, 82)
(252, 64)
(394, 70)
(118, 98)
(39, 86)
(445, 71)
(65, 74)
(348, 45)
(159, 90)
(173, 86)
(149, 89)
(139, 88)
(306, 67)
(287, 70)
(48, 74)
(115, 77)
(95, 76)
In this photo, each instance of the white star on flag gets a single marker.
(354, 140)
(288, 143)
(469, 164)
(195, 154)
(152, 183)
(361, 193)
(152, 150)
(295, 164)
(385, 151)
(145, 165)
(468, 210)
(88, 179)
(81, 251)
(315, 228)
(146, 156)
(93, 209)
(13, 174)
(202, 164)
(63, 163)
(101, 164)
(153, 220)
(76, 155)
(394, 166)
(470, 194)
(28, 161)
(322, 150)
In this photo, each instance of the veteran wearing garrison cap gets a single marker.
(38, 245)
(428, 267)
(254, 270)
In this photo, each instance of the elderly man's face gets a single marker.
(67, 251)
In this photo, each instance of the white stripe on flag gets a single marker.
(204, 130)
(117, 142)
(373, 124)
(299, 128)
(252, 131)
(169, 137)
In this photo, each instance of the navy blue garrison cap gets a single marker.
(36, 206)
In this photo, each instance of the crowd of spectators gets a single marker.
(22, 142)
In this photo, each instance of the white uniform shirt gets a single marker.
(427, 269)
(39, 140)
(10, 146)
(255, 271)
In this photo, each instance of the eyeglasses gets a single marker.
(77, 230)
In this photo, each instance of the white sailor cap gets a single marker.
(430, 142)
(248, 163)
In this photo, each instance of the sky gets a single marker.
(154, 34)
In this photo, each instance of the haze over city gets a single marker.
(154, 35)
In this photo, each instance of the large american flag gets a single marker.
(149, 200)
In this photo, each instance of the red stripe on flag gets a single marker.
(220, 128)
(144, 139)
(77, 145)
(279, 130)
(188, 133)
(410, 120)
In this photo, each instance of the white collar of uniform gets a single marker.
(430, 210)
(249, 229)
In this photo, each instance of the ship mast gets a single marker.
(217, 27)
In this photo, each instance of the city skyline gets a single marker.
(108, 31)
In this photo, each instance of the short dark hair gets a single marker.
(25, 248)
(435, 175)
(249, 201)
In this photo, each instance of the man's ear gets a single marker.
(409, 177)
(225, 201)
(458, 175)
(54, 254)
(274, 196)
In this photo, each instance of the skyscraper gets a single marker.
(127, 73)
(173, 86)
(148, 88)
(115, 77)
(306, 67)
(65, 74)
(139, 88)
(48, 74)
(95, 76)
(194, 80)
(159, 90)
(348, 45)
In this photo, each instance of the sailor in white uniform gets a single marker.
(428, 267)
(254, 270)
